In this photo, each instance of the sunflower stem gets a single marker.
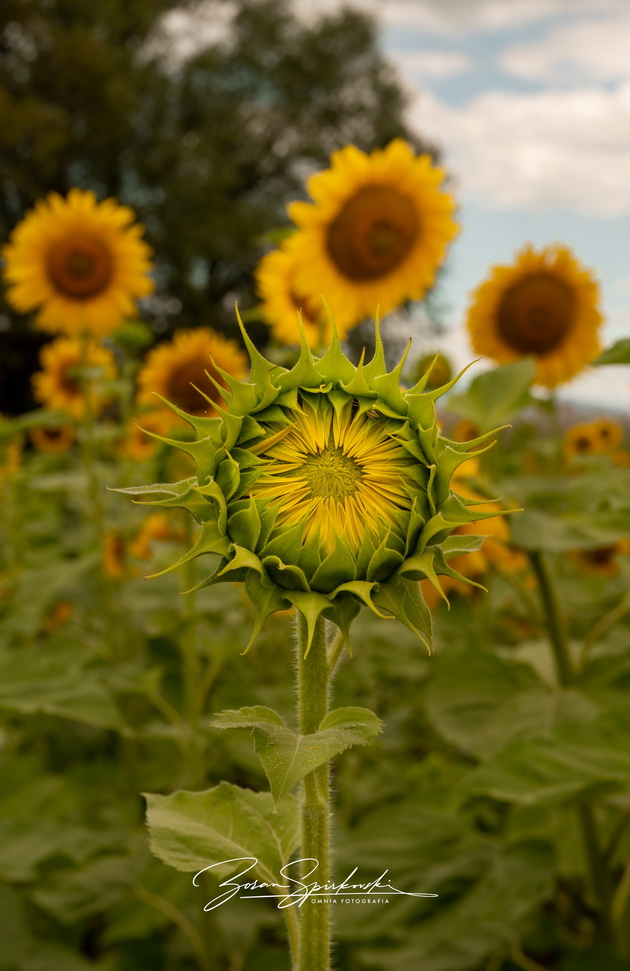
(94, 496)
(600, 874)
(313, 697)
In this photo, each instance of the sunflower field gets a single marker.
(313, 653)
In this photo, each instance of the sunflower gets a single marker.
(337, 475)
(80, 263)
(439, 368)
(323, 487)
(137, 445)
(600, 561)
(155, 528)
(58, 385)
(376, 232)
(544, 304)
(281, 303)
(184, 370)
(52, 439)
(610, 433)
(114, 554)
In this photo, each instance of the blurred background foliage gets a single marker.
(206, 142)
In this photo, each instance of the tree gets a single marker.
(207, 148)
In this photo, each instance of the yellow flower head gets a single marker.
(376, 231)
(324, 487)
(610, 433)
(600, 561)
(52, 439)
(281, 303)
(80, 263)
(184, 371)
(114, 555)
(439, 369)
(59, 386)
(544, 304)
(598, 437)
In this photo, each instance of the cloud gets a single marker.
(434, 64)
(556, 149)
(462, 16)
(590, 49)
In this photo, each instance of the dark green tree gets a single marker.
(207, 147)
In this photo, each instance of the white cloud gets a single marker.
(563, 149)
(433, 64)
(590, 49)
(462, 16)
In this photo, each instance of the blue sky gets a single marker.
(529, 102)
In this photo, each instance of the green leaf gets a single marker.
(194, 830)
(285, 755)
(548, 771)
(480, 702)
(489, 918)
(538, 530)
(403, 599)
(56, 683)
(496, 395)
(618, 353)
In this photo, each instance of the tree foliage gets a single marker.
(207, 147)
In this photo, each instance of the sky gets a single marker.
(529, 103)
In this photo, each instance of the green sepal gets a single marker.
(244, 525)
(343, 611)
(334, 366)
(260, 366)
(230, 430)
(210, 540)
(388, 387)
(404, 601)
(377, 364)
(358, 386)
(266, 598)
(340, 562)
(420, 409)
(286, 545)
(288, 577)
(421, 567)
(384, 561)
(270, 394)
(311, 605)
(244, 396)
(302, 374)
(228, 477)
(211, 491)
(243, 559)
(454, 513)
(363, 590)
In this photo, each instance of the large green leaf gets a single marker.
(194, 830)
(496, 395)
(486, 920)
(287, 756)
(479, 702)
(617, 353)
(56, 683)
(548, 771)
(535, 529)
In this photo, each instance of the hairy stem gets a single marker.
(313, 681)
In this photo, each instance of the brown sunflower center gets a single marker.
(80, 267)
(182, 393)
(536, 313)
(373, 233)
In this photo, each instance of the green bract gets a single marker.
(324, 487)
